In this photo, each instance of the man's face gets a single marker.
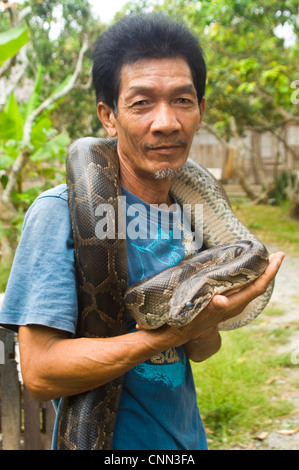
(158, 114)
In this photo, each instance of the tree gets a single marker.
(57, 29)
(29, 143)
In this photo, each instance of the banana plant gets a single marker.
(11, 41)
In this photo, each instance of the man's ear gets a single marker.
(107, 118)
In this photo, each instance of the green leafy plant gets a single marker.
(11, 42)
(31, 148)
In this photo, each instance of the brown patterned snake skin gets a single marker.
(87, 420)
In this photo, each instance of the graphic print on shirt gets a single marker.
(168, 258)
(167, 368)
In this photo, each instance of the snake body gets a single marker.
(233, 257)
(176, 296)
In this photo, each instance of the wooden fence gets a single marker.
(208, 151)
(25, 424)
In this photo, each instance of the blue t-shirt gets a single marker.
(158, 407)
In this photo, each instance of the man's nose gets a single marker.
(165, 119)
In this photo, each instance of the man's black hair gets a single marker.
(137, 37)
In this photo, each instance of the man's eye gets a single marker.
(184, 100)
(140, 103)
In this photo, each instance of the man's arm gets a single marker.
(54, 365)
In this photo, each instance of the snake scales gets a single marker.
(87, 420)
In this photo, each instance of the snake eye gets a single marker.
(189, 304)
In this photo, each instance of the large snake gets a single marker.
(174, 296)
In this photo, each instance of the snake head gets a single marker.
(188, 300)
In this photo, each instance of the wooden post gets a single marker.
(32, 437)
(10, 394)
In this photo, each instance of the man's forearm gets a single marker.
(55, 366)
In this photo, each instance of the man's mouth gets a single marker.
(166, 147)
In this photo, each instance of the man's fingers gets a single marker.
(261, 284)
(233, 304)
(220, 302)
(275, 261)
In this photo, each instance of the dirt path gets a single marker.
(286, 298)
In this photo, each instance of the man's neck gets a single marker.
(149, 189)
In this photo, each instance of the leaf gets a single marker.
(26, 197)
(270, 75)
(39, 131)
(52, 149)
(247, 66)
(9, 151)
(262, 436)
(12, 41)
(4, 180)
(288, 432)
(34, 99)
(11, 121)
(5, 161)
(246, 87)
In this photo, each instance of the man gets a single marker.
(149, 76)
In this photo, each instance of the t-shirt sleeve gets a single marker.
(42, 284)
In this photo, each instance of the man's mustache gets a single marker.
(166, 143)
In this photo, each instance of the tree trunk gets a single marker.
(292, 192)
(240, 162)
(294, 210)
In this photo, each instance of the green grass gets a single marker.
(4, 274)
(271, 224)
(271, 312)
(236, 396)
